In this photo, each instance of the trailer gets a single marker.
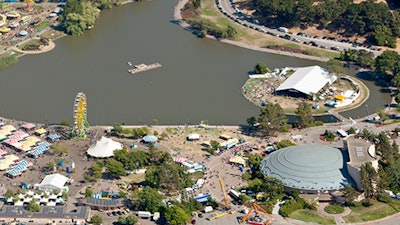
(144, 214)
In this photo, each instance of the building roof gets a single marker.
(360, 151)
(307, 80)
(308, 167)
(55, 180)
(104, 148)
(50, 212)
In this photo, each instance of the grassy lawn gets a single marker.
(43, 25)
(52, 34)
(255, 38)
(311, 216)
(377, 211)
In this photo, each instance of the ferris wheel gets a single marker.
(80, 112)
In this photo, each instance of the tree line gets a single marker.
(371, 19)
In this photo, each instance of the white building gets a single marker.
(306, 81)
(54, 182)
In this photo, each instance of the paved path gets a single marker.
(337, 217)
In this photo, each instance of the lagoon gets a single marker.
(200, 79)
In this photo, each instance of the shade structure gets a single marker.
(40, 131)
(150, 138)
(104, 148)
(28, 126)
(53, 137)
(238, 160)
(180, 159)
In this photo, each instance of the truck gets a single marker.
(208, 209)
(144, 214)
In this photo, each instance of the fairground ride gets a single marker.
(80, 112)
(257, 216)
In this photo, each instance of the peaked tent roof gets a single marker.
(104, 148)
(56, 180)
(307, 80)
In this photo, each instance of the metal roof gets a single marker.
(308, 167)
(307, 80)
(45, 212)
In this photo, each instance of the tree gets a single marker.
(350, 194)
(388, 63)
(147, 200)
(154, 121)
(304, 115)
(88, 192)
(260, 68)
(117, 128)
(271, 119)
(336, 67)
(33, 206)
(284, 143)
(368, 179)
(214, 145)
(383, 116)
(251, 121)
(131, 220)
(9, 193)
(175, 215)
(115, 168)
(96, 219)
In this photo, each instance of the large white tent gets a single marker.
(104, 148)
(307, 80)
(53, 181)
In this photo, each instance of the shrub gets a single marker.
(367, 202)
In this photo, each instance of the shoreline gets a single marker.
(178, 18)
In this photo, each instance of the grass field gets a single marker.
(377, 211)
(307, 215)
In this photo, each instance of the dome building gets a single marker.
(308, 167)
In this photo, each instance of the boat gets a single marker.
(143, 67)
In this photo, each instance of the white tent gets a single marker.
(307, 80)
(104, 148)
(193, 136)
(52, 182)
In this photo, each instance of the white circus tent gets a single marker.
(104, 148)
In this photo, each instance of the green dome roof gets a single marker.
(308, 167)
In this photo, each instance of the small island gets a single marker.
(314, 85)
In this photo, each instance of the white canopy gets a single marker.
(193, 136)
(53, 181)
(104, 148)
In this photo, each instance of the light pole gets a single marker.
(366, 106)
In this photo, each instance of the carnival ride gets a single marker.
(258, 218)
(80, 112)
(227, 209)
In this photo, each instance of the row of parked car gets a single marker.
(242, 18)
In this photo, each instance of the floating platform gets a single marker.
(143, 67)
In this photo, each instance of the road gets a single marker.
(228, 8)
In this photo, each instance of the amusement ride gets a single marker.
(80, 112)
